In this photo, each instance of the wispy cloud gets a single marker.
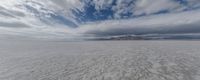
(185, 22)
(99, 17)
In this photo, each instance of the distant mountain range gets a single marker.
(149, 37)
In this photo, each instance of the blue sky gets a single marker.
(64, 18)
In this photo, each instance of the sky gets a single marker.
(96, 18)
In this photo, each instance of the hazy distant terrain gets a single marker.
(99, 60)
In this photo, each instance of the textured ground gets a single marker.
(100, 60)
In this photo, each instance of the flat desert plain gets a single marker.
(99, 60)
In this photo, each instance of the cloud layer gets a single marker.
(67, 18)
(173, 23)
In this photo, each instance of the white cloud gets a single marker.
(157, 24)
(16, 19)
(153, 6)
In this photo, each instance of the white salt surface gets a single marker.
(99, 60)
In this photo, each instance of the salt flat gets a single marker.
(99, 60)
